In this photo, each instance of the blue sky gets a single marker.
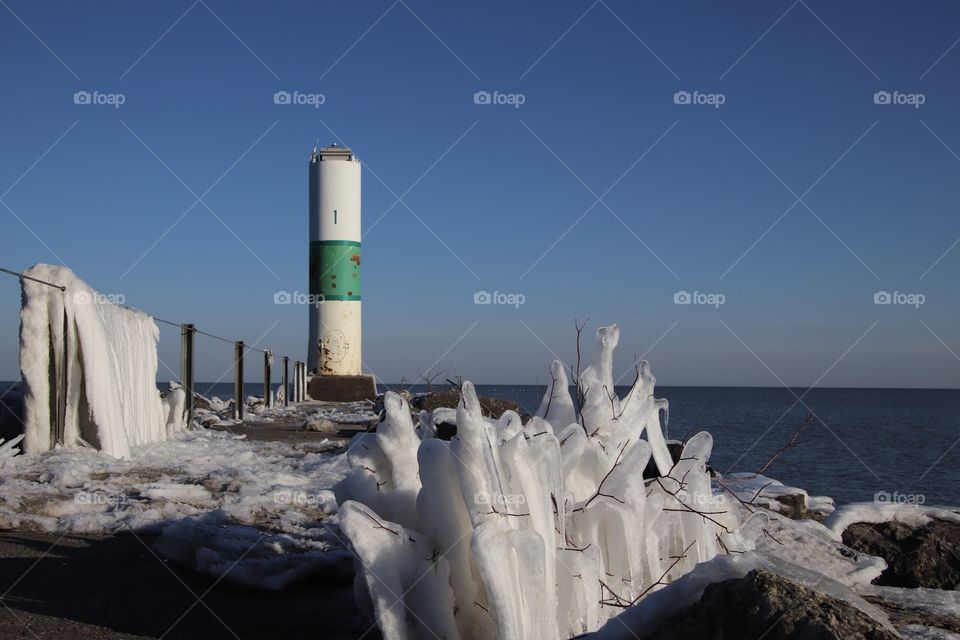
(494, 197)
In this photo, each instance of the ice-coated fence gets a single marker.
(89, 369)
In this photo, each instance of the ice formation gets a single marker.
(108, 354)
(913, 515)
(543, 530)
(9, 449)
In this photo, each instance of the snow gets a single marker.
(252, 556)
(209, 494)
(809, 544)
(919, 632)
(108, 354)
(72, 490)
(912, 515)
(541, 530)
(934, 601)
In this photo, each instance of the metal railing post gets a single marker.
(300, 366)
(296, 381)
(61, 420)
(286, 389)
(267, 391)
(186, 369)
(238, 380)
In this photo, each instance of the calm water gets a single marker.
(904, 441)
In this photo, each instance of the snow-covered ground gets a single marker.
(211, 495)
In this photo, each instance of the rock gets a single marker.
(492, 407)
(927, 556)
(675, 447)
(11, 414)
(208, 420)
(912, 611)
(765, 605)
(795, 507)
(319, 424)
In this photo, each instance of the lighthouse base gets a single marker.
(342, 388)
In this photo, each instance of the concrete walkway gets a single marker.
(112, 587)
(93, 587)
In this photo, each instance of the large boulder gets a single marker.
(491, 407)
(927, 556)
(765, 605)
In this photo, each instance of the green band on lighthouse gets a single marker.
(335, 269)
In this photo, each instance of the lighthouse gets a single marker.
(334, 361)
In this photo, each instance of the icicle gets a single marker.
(557, 405)
(543, 530)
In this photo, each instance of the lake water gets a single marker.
(901, 443)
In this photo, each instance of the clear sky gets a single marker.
(797, 199)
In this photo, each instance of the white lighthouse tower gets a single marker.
(334, 364)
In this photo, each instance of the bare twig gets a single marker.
(623, 603)
(380, 525)
(793, 441)
(599, 492)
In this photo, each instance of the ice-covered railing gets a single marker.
(93, 362)
(52, 308)
(543, 530)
